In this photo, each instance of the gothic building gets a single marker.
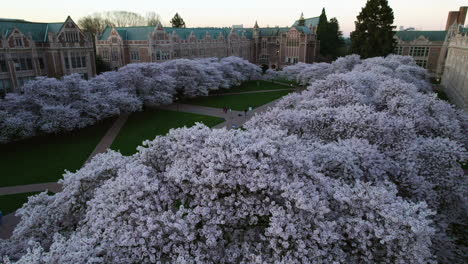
(29, 49)
(273, 47)
(429, 48)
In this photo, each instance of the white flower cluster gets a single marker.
(49, 105)
(342, 173)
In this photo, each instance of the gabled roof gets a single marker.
(275, 31)
(142, 33)
(38, 31)
(413, 35)
(309, 22)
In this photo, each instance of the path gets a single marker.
(196, 109)
(250, 92)
(109, 137)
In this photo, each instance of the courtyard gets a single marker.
(50, 155)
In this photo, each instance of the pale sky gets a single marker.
(422, 14)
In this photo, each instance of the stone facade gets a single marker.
(455, 78)
(429, 48)
(29, 49)
(269, 47)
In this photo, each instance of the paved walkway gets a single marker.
(51, 186)
(109, 137)
(197, 109)
(250, 92)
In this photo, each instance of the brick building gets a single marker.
(429, 48)
(29, 49)
(273, 47)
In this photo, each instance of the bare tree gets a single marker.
(124, 18)
(152, 19)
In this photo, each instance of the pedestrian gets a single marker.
(250, 108)
(245, 112)
(1, 218)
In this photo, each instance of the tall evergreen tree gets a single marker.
(336, 41)
(374, 30)
(322, 26)
(330, 37)
(177, 21)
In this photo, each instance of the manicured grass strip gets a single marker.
(45, 158)
(281, 80)
(251, 86)
(12, 202)
(153, 122)
(238, 102)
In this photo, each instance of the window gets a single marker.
(135, 55)
(264, 44)
(23, 80)
(105, 54)
(41, 63)
(71, 36)
(22, 62)
(3, 65)
(5, 86)
(115, 55)
(399, 51)
(264, 57)
(292, 59)
(76, 60)
(422, 63)
(419, 51)
(18, 42)
(114, 40)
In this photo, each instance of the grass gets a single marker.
(252, 86)
(151, 123)
(12, 202)
(44, 158)
(284, 80)
(238, 102)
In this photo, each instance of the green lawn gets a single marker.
(12, 202)
(284, 80)
(238, 102)
(151, 123)
(44, 158)
(251, 86)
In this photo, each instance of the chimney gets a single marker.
(462, 15)
(452, 18)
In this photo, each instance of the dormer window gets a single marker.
(19, 42)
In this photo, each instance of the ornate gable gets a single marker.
(70, 32)
(16, 39)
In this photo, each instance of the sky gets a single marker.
(421, 14)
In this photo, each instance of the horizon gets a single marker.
(264, 12)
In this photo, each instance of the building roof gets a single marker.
(309, 22)
(142, 33)
(413, 35)
(37, 31)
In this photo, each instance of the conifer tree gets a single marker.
(374, 30)
(330, 36)
(177, 21)
(322, 26)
